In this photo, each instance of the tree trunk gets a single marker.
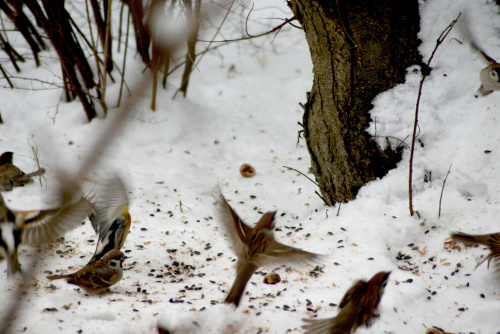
(359, 48)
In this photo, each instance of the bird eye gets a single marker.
(494, 74)
(113, 263)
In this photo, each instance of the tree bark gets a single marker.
(359, 48)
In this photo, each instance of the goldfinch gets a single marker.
(110, 219)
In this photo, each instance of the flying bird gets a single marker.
(11, 176)
(99, 275)
(110, 218)
(492, 241)
(255, 247)
(489, 76)
(358, 308)
(36, 227)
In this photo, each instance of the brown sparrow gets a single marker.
(11, 176)
(358, 308)
(110, 219)
(36, 227)
(99, 275)
(492, 241)
(255, 247)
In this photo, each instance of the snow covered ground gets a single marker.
(242, 107)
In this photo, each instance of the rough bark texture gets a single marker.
(359, 48)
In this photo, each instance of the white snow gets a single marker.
(242, 107)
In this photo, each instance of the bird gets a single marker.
(358, 308)
(492, 241)
(11, 176)
(489, 76)
(36, 227)
(110, 218)
(255, 247)
(99, 275)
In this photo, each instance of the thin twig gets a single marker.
(317, 184)
(277, 28)
(124, 59)
(6, 76)
(34, 149)
(181, 205)
(442, 190)
(107, 40)
(415, 124)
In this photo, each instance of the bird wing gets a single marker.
(233, 225)
(112, 202)
(492, 241)
(277, 253)
(46, 225)
(470, 239)
(318, 326)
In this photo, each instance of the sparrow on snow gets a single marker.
(11, 176)
(358, 308)
(98, 275)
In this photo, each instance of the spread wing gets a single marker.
(277, 253)
(492, 241)
(112, 203)
(318, 326)
(233, 225)
(43, 226)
